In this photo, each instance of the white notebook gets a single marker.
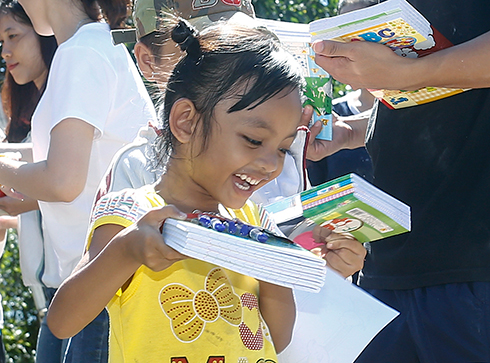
(277, 260)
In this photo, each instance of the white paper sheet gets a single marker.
(336, 324)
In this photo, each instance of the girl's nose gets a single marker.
(269, 162)
(5, 52)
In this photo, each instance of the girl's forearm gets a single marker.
(88, 290)
(279, 311)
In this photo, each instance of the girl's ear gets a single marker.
(183, 120)
(145, 59)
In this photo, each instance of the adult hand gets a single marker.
(343, 254)
(365, 65)
(15, 206)
(347, 133)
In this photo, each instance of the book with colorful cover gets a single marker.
(246, 249)
(398, 25)
(318, 91)
(351, 206)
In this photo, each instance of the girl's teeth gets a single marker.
(247, 179)
(242, 187)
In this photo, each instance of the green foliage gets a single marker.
(295, 11)
(21, 322)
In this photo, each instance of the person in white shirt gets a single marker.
(94, 103)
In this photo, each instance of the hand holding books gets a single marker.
(396, 78)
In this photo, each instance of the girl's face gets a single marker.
(22, 52)
(246, 149)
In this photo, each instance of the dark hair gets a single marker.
(20, 101)
(114, 11)
(217, 65)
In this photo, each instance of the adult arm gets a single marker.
(62, 176)
(14, 206)
(113, 257)
(372, 65)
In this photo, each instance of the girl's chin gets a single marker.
(236, 204)
(236, 201)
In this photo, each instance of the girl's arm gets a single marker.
(114, 256)
(62, 176)
(279, 312)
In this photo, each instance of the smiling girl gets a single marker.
(230, 115)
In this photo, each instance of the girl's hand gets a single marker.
(343, 254)
(150, 248)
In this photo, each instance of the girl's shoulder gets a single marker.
(91, 44)
(128, 204)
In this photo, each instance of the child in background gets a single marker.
(230, 114)
(156, 55)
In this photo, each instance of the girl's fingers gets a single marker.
(157, 216)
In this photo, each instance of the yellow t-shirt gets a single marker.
(192, 312)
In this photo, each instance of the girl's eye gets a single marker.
(252, 141)
(12, 36)
(285, 151)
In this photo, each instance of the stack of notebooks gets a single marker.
(347, 205)
(398, 25)
(276, 260)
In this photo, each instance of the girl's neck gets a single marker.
(65, 26)
(183, 193)
(40, 82)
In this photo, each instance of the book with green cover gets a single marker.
(351, 206)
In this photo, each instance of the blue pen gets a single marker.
(217, 225)
(204, 220)
(245, 230)
(257, 235)
(231, 227)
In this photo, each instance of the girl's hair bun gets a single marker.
(185, 35)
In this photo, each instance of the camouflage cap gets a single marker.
(146, 14)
